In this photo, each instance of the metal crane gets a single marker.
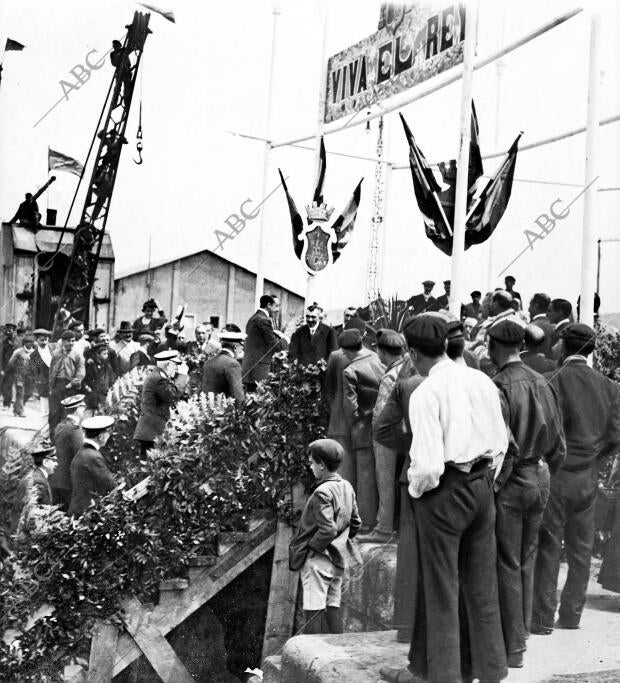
(80, 274)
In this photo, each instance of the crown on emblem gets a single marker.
(319, 212)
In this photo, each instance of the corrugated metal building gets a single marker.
(210, 285)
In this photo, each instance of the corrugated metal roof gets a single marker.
(24, 239)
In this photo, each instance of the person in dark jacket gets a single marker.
(560, 315)
(313, 341)
(328, 522)
(262, 341)
(162, 388)
(538, 309)
(8, 344)
(19, 366)
(68, 438)
(532, 355)
(361, 379)
(99, 377)
(33, 489)
(531, 410)
(590, 405)
(222, 373)
(142, 356)
(90, 476)
(422, 303)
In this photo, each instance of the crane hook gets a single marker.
(139, 146)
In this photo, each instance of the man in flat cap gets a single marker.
(162, 388)
(66, 375)
(360, 385)
(222, 373)
(538, 310)
(68, 438)
(313, 341)
(390, 351)
(456, 345)
(537, 445)
(8, 344)
(533, 355)
(328, 522)
(33, 489)
(90, 475)
(420, 303)
(40, 362)
(590, 405)
(19, 364)
(459, 436)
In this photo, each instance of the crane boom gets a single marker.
(80, 274)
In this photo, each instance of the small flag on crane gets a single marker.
(13, 45)
(164, 13)
(61, 162)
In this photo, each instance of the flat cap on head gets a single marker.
(428, 283)
(578, 332)
(350, 339)
(427, 330)
(146, 337)
(508, 332)
(355, 323)
(67, 334)
(327, 450)
(389, 339)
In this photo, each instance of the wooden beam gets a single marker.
(282, 595)
(102, 652)
(155, 647)
(165, 617)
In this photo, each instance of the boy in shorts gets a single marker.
(329, 520)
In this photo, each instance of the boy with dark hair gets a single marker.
(328, 522)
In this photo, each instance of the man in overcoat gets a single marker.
(222, 373)
(68, 438)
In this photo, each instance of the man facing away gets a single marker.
(533, 355)
(590, 405)
(222, 373)
(538, 309)
(68, 438)
(313, 341)
(459, 435)
(531, 411)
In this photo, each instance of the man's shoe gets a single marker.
(539, 630)
(398, 675)
(375, 536)
(515, 660)
(559, 624)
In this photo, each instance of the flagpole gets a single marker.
(588, 249)
(260, 275)
(460, 199)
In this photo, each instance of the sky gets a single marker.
(207, 75)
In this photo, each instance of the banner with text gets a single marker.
(421, 45)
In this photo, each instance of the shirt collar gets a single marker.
(562, 322)
(442, 365)
(94, 444)
(539, 315)
(333, 476)
(73, 418)
(576, 358)
(229, 352)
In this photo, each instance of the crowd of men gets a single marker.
(475, 441)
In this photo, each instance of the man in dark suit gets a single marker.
(33, 489)
(472, 310)
(361, 379)
(90, 475)
(560, 316)
(142, 356)
(313, 341)
(262, 341)
(590, 405)
(68, 438)
(162, 388)
(510, 282)
(532, 356)
(443, 301)
(538, 310)
(421, 303)
(222, 373)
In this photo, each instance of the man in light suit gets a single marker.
(261, 343)
(313, 341)
(162, 388)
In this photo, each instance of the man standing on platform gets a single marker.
(262, 341)
(66, 375)
(509, 283)
(90, 475)
(442, 302)
(361, 379)
(420, 303)
(459, 436)
(313, 341)
(590, 405)
(531, 411)
(161, 390)
(68, 437)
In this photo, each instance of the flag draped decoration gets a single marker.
(61, 162)
(317, 243)
(484, 209)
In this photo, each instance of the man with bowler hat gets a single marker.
(124, 345)
(459, 436)
(68, 438)
(590, 405)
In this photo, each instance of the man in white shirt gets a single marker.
(458, 437)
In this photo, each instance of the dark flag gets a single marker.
(343, 225)
(487, 210)
(320, 176)
(297, 222)
(13, 45)
(61, 162)
(427, 189)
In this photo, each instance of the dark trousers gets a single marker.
(62, 497)
(6, 387)
(519, 505)
(569, 516)
(457, 631)
(18, 408)
(57, 393)
(366, 486)
(406, 583)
